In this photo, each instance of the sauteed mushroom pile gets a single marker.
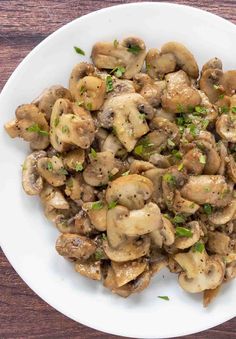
(135, 164)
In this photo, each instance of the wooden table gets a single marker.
(23, 24)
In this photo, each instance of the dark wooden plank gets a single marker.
(23, 24)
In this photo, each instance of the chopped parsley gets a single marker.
(49, 166)
(118, 71)
(169, 178)
(79, 103)
(78, 166)
(56, 122)
(104, 237)
(109, 84)
(180, 108)
(79, 50)
(36, 129)
(97, 205)
(115, 43)
(198, 247)
(125, 173)
(142, 116)
(181, 167)
(178, 219)
(164, 297)
(176, 154)
(216, 86)
(183, 232)
(221, 96)
(134, 49)
(89, 106)
(223, 109)
(193, 130)
(143, 147)
(170, 143)
(65, 129)
(82, 90)
(233, 109)
(99, 254)
(207, 209)
(200, 110)
(93, 153)
(138, 150)
(202, 159)
(112, 205)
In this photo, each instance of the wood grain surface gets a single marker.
(23, 24)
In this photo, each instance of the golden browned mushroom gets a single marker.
(179, 95)
(224, 215)
(201, 272)
(97, 212)
(209, 83)
(228, 82)
(52, 170)
(77, 189)
(102, 167)
(86, 88)
(74, 160)
(46, 100)
(186, 242)
(31, 125)
(131, 191)
(32, 182)
(127, 56)
(70, 125)
(128, 271)
(207, 189)
(127, 114)
(218, 243)
(181, 205)
(89, 269)
(75, 246)
(192, 161)
(165, 235)
(213, 63)
(226, 127)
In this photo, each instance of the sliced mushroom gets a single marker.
(158, 65)
(181, 205)
(70, 125)
(179, 95)
(231, 168)
(77, 189)
(31, 125)
(112, 144)
(223, 153)
(89, 269)
(228, 82)
(127, 114)
(192, 163)
(224, 215)
(102, 166)
(32, 182)
(128, 271)
(201, 271)
(218, 243)
(86, 87)
(52, 170)
(210, 113)
(207, 189)
(75, 246)
(49, 96)
(98, 217)
(131, 191)
(120, 86)
(213, 63)
(110, 282)
(209, 295)
(226, 127)
(209, 83)
(129, 53)
(165, 235)
(130, 250)
(74, 160)
(230, 272)
(186, 242)
(52, 198)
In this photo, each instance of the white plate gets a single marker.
(28, 239)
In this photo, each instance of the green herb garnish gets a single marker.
(176, 154)
(125, 173)
(223, 109)
(56, 122)
(180, 108)
(202, 159)
(112, 205)
(36, 129)
(134, 49)
(170, 143)
(200, 110)
(89, 106)
(82, 90)
(78, 166)
(180, 167)
(178, 219)
(118, 71)
(93, 153)
(207, 209)
(79, 50)
(97, 205)
(164, 297)
(198, 247)
(49, 166)
(233, 109)
(183, 232)
(109, 84)
(99, 254)
(65, 129)
(169, 178)
(115, 43)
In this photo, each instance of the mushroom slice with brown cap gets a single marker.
(179, 95)
(158, 65)
(89, 269)
(129, 54)
(52, 170)
(224, 215)
(49, 96)
(228, 82)
(112, 144)
(184, 58)
(74, 160)
(110, 282)
(218, 243)
(226, 127)
(128, 271)
(131, 249)
(230, 272)
(131, 191)
(231, 168)
(31, 125)
(165, 235)
(138, 222)
(207, 189)
(75, 246)
(209, 110)
(102, 166)
(127, 114)
(209, 83)
(213, 63)
(114, 235)
(209, 295)
(97, 212)
(32, 182)
(201, 271)
(120, 86)
(52, 198)
(191, 161)
(70, 125)
(77, 189)
(186, 242)
(140, 167)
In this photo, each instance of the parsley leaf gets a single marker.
(134, 49)
(198, 247)
(78, 166)
(118, 71)
(183, 232)
(99, 254)
(176, 154)
(109, 84)
(178, 219)
(36, 128)
(65, 129)
(79, 50)
(202, 159)
(115, 43)
(169, 178)
(125, 173)
(233, 109)
(49, 166)
(97, 205)
(207, 209)
(93, 153)
(112, 204)
(164, 297)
